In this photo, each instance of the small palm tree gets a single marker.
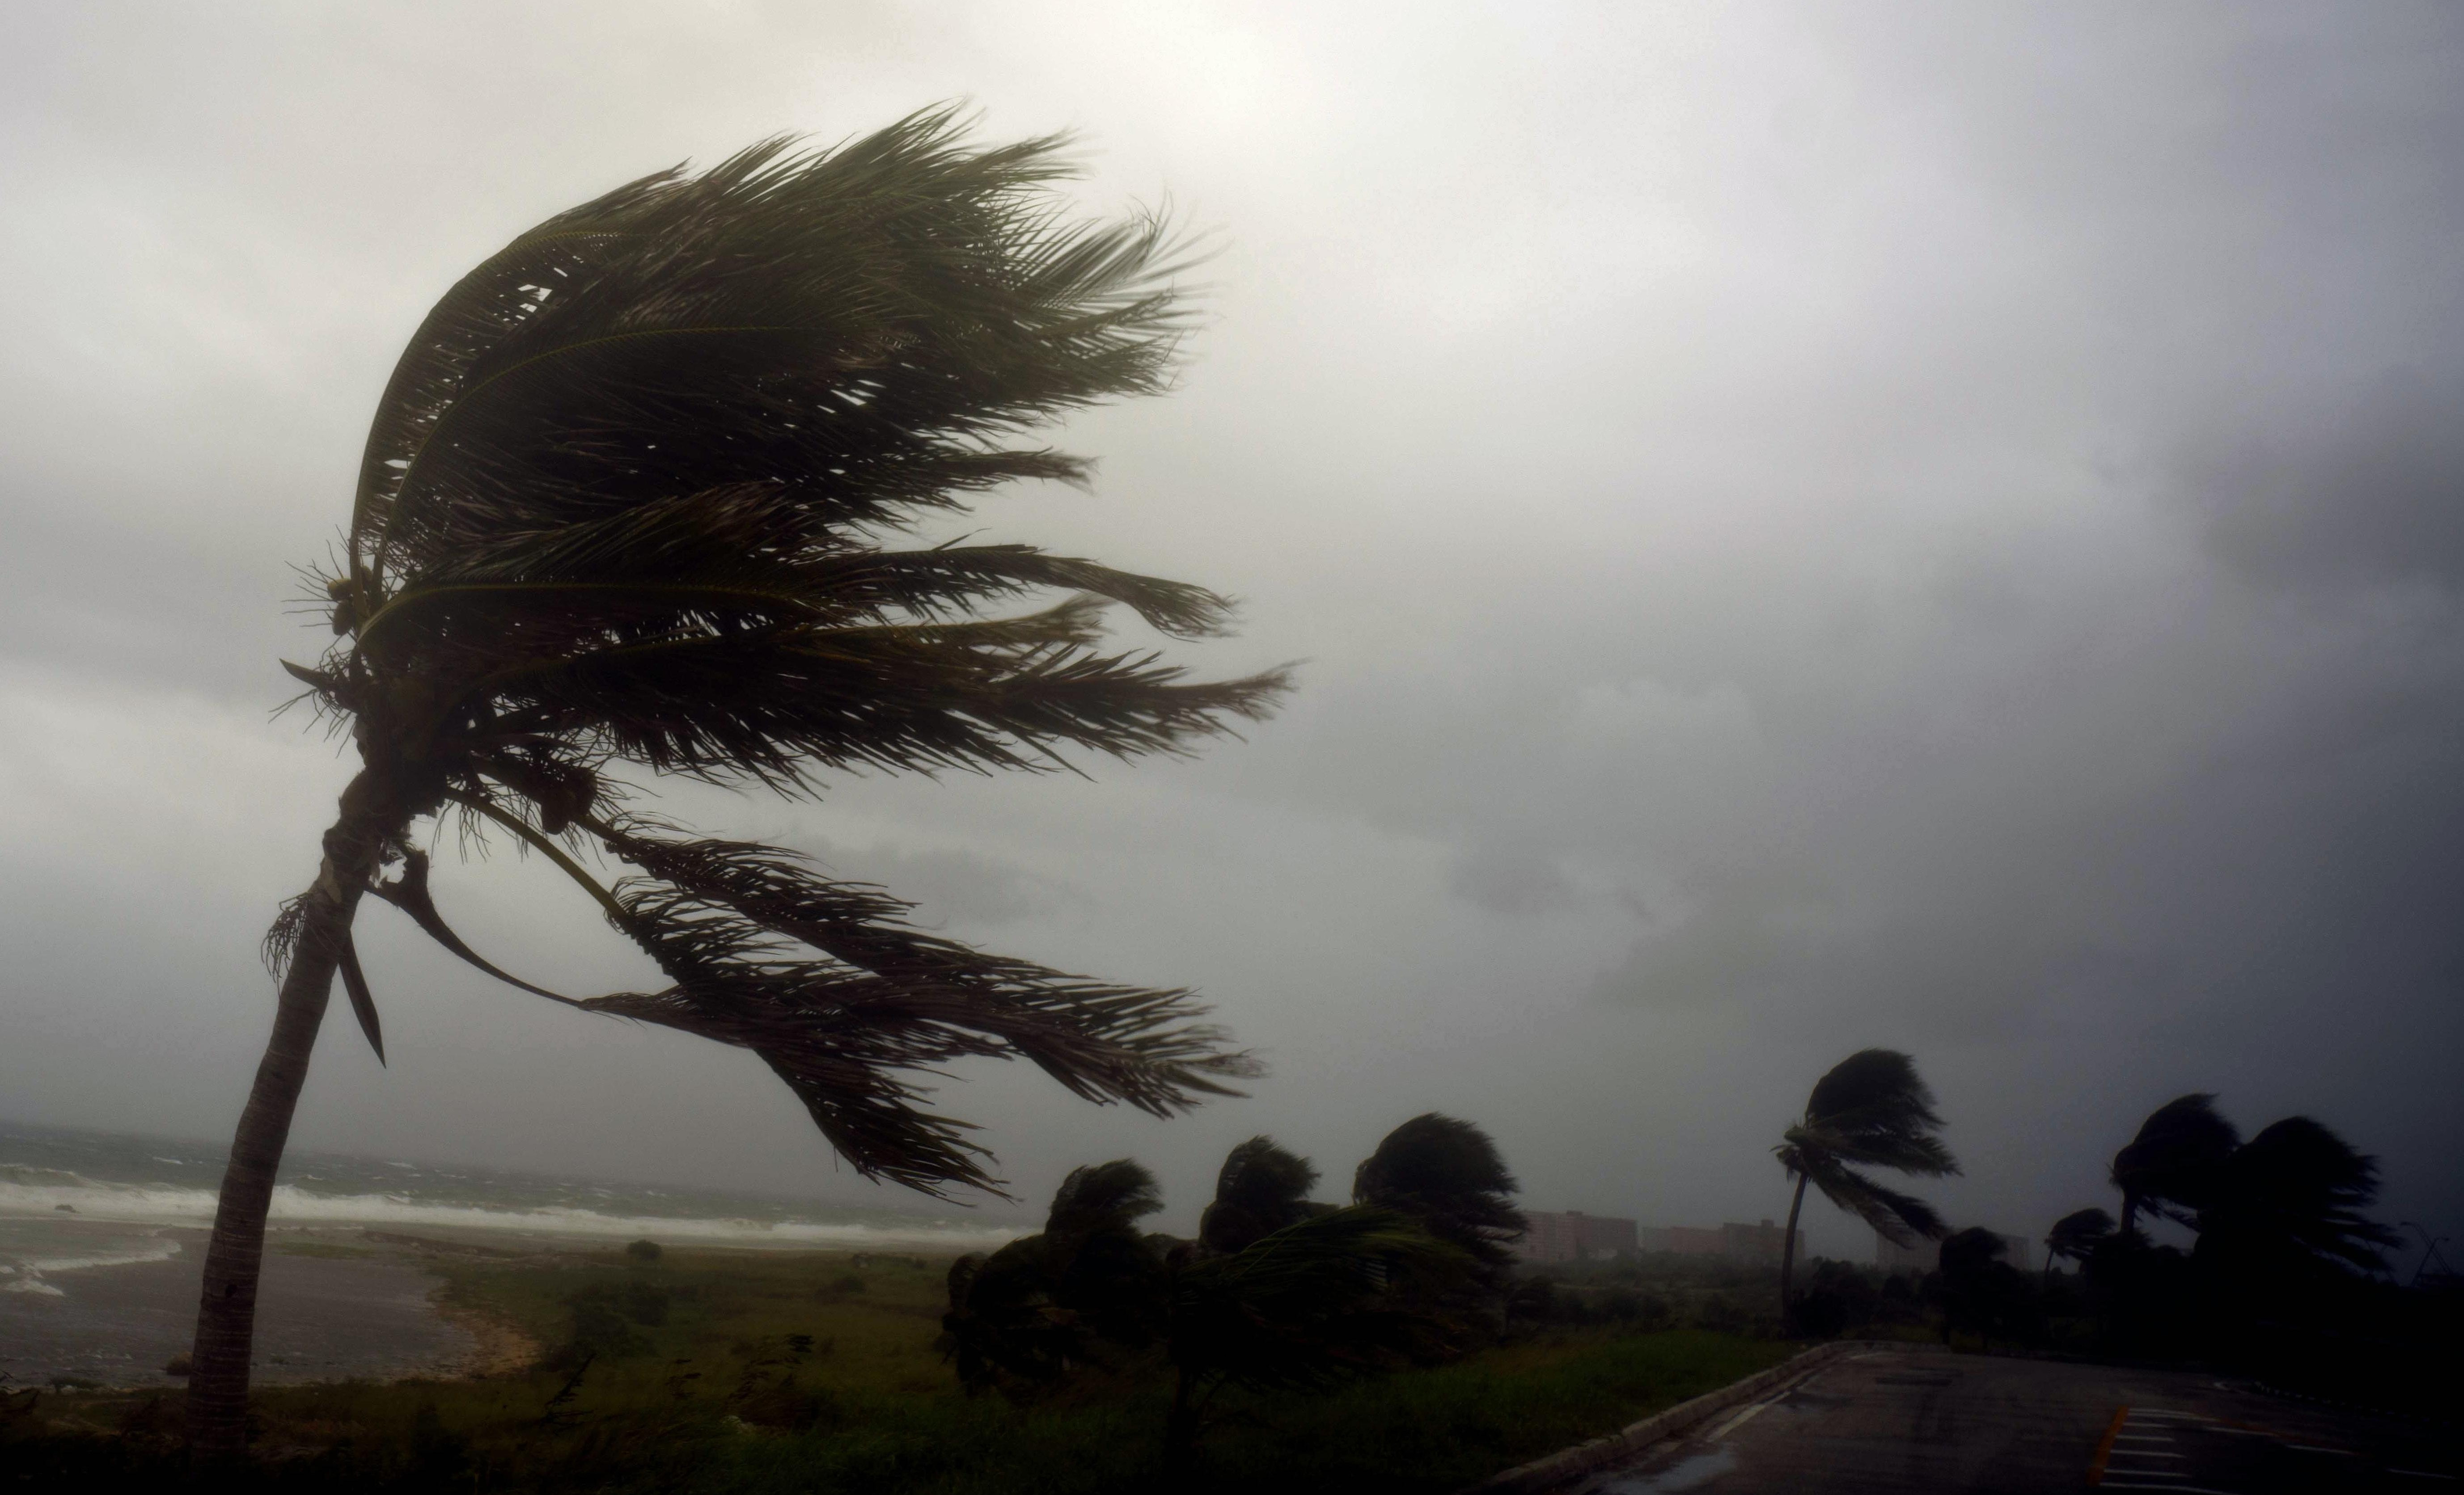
(1871, 1109)
(2172, 1168)
(636, 497)
(2075, 1237)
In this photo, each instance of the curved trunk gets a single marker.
(1788, 1261)
(217, 1401)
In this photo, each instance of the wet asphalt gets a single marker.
(1887, 1421)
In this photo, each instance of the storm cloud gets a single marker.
(1807, 527)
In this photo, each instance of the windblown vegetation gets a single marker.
(749, 1372)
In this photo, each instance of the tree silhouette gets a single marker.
(1045, 1304)
(2290, 1199)
(1447, 1175)
(1331, 1296)
(2075, 1236)
(1259, 1189)
(637, 497)
(1871, 1110)
(1980, 1291)
(2172, 1167)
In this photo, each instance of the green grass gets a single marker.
(744, 1373)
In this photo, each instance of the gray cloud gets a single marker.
(1810, 528)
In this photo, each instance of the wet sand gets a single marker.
(318, 1319)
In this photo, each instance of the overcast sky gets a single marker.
(1810, 527)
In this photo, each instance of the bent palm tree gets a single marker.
(2172, 1168)
(1259, 1189)
(634, 497)
(1330, 1296)
(1871, 1110)
(2292, 1198)
(1448, 1175)
(2075, 1237)
(1045, 1304)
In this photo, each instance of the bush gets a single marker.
(645, 1251)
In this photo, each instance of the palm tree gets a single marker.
(1871, 1110)
(1045, 1304)
(1261, 1189)
(2074, 1236)
(2171, 1168)
(1447, 1175)
(638, 496)
(1318, 1301)
(2291, 1200)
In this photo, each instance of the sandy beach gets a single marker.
(319, 1318)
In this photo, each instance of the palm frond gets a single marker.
(1900, 1217)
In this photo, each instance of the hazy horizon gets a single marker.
(1807, 527)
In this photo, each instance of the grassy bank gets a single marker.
(714, 1372)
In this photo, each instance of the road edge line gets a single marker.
(2104, 1445)
(1526, 1479)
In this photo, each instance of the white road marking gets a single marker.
(2421, 1474)
(1737, 1422)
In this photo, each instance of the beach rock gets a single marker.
(65, 1209)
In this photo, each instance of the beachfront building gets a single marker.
(1753, 1244)
(1572, 1235)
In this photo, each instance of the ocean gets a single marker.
(76, 1202)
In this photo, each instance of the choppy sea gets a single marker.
(74, 1200)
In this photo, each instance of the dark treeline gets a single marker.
(1278, 1292)
(2283, 1277)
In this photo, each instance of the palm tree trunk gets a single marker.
(217, 1401)
(1788, 1259)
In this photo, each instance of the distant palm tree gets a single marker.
(2171, 1168)
(1261, 1189)
(1447, 1175)
(2074, 1236)
(635, 497)
(1871, 1109)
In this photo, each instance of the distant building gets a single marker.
(1926, 1255)
(1574, 1236)
(1734, 1243)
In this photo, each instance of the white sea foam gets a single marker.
(39, 1192)
(26, 1274)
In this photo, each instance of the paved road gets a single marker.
(1914, 1422)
